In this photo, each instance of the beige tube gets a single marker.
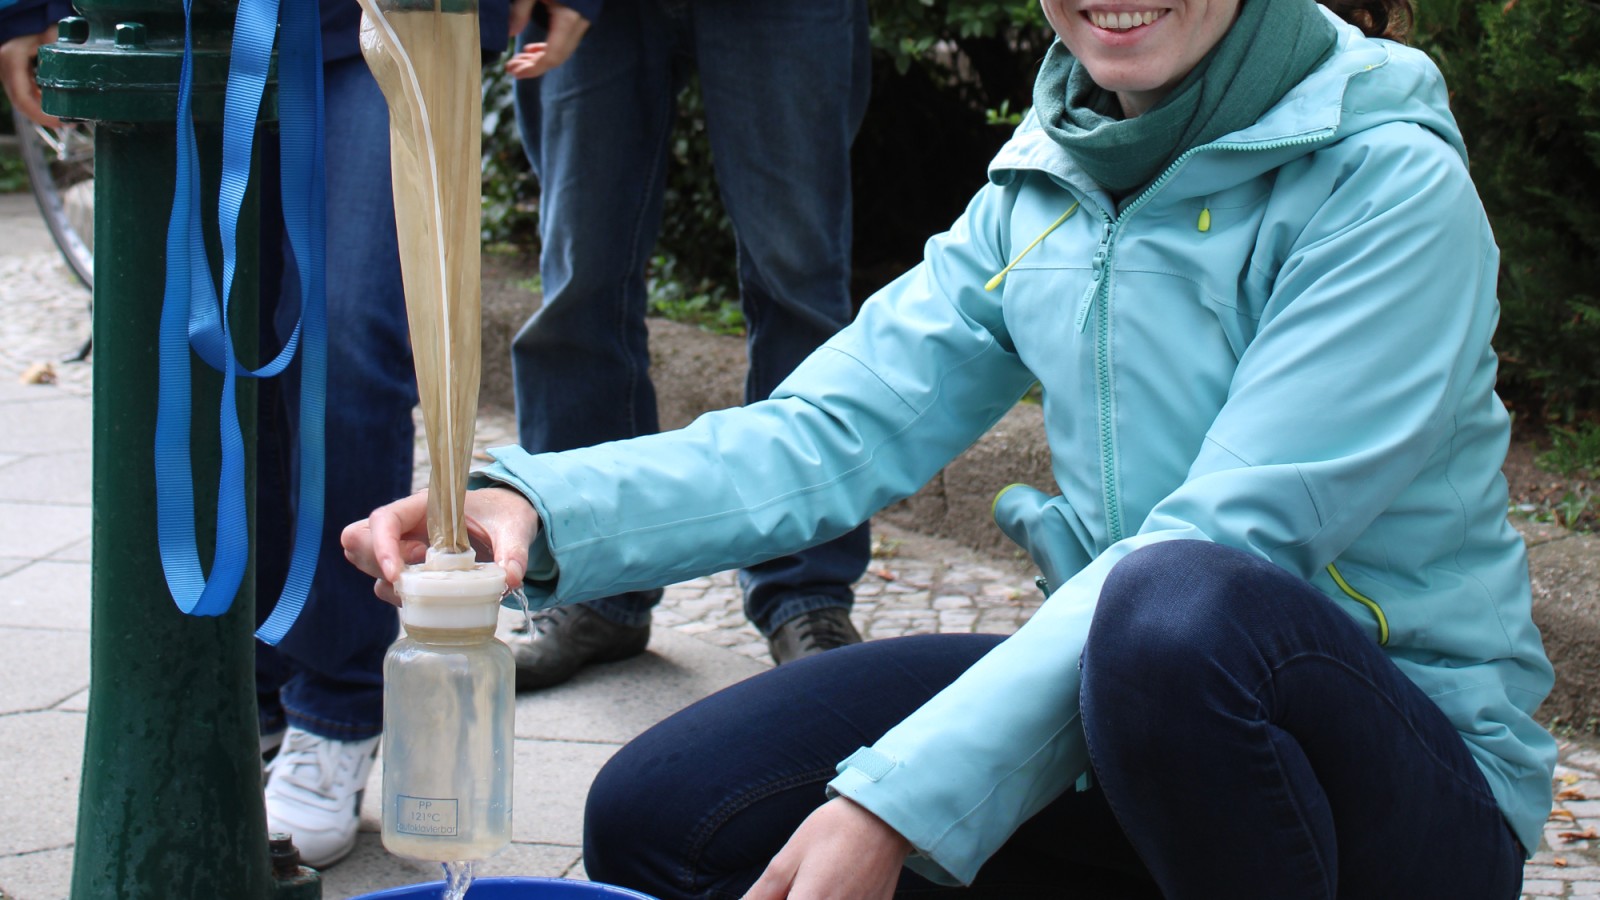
(426, 59)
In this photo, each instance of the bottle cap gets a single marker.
(451, 598)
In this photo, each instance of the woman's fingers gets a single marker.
(840, 851)
(500, 521)
(392, 537)
(504, 520)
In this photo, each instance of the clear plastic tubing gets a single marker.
(448, 716)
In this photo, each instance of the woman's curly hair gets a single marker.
(1376, 18)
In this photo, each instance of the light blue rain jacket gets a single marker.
(1282, 346)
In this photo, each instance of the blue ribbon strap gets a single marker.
(192, 316)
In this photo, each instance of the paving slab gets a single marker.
(552, 782)
(43, 875)
(41, 668)
(44, 760)
(46, 594)
(613, 703)
(44, 421)
(36, 530)
(76, 552)
(55, 477)
(23, 230)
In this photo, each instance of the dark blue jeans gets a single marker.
(327, 674)
(1247, 739)
(784, 84)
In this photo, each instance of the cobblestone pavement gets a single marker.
(916, 584)
(1568, 861)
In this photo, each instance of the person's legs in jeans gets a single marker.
(1253, 741)
(596, 130)
(731, 777)
(785, 86)
(329, 668)
(338, 644)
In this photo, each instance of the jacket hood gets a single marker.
(1366, 83)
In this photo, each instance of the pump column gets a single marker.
(170, 803)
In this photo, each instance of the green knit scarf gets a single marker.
(1270, 48)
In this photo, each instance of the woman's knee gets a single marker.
(1168, 600)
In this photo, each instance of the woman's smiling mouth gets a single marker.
(1123, 21)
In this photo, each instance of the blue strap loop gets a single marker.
(192, 317)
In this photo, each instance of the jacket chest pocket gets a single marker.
(1039, 307)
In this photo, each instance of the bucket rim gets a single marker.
(568, 885)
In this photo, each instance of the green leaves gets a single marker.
(1525, 82)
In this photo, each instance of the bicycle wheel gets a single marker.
(60, 164)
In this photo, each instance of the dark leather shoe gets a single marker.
(811, 633)
(560, 641)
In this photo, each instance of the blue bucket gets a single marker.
(513, 889)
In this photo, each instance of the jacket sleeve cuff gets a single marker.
(857, 780)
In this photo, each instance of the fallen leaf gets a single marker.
(39, 373)
(1563, 814)
(886, 575)
(1568, 778)
(1559, 862)
(1588, 834)
(1572, 794)
(884, 548)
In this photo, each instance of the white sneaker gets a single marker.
(314, 788)
(269, 746)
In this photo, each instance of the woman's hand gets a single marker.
(394, 536)
(567, 28)
(840, 852)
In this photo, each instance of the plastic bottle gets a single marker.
(448, 716)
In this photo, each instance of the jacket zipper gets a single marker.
(1099, 291)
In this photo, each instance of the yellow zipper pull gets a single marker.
(1205, 220)
(1001, 275)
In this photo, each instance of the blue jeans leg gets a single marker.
(596, 131)
(782, 157)
(1254, 742)
(731, 777)
(329, 668)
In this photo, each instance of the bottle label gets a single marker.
(430, 816)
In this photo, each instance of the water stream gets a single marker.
(457, 878)
(521, 597)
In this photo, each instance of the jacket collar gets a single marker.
(1366, 83)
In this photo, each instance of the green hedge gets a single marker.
(1525, 86)
(949, 78)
